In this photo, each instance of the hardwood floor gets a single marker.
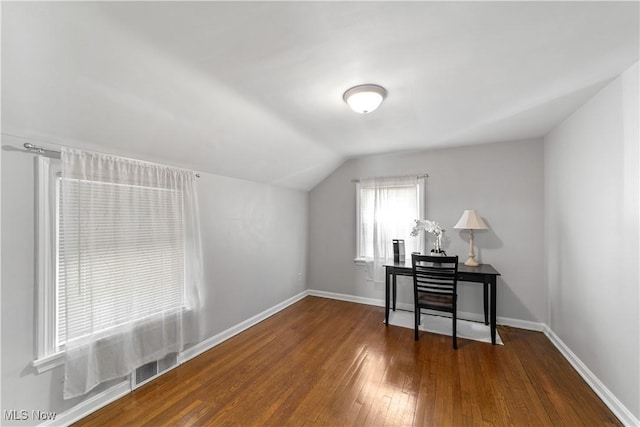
(327, 362)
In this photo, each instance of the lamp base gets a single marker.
(471, 262)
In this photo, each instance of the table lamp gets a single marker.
(470, 220)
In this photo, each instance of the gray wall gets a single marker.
(503, 181)
(592, 233)
(239, 219)
(254, 247)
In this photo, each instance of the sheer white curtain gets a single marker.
(388, 210)
(129, 278)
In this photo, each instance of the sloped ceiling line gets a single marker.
(254, 90)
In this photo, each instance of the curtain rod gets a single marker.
(424, 175)
(41, 150)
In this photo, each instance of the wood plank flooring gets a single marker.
(323, 362)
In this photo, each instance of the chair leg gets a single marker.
(416, 322)
(455, 318)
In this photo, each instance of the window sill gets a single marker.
(360, 261)
(49, 362)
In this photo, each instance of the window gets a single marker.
(112, 255)
(111, 260)
(387, 209)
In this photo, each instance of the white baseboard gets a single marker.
(609, 399)
(521, 324)
(345, 297)
(213, 341)
(475, 317)
(90, 405)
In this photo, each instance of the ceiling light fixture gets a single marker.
(364, 99)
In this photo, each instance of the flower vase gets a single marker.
(437, 246)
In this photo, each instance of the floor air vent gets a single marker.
(151, 370)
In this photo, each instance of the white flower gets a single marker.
(426, 225)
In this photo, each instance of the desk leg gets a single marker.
(493, 309)
(387, 284)
(395, 290)
(485, 292)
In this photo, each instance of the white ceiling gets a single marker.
(254, 89)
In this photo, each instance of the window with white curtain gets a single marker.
(120, 265)
(387, 209)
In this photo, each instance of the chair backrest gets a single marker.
(435, 274)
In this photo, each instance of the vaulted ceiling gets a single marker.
(253, 90)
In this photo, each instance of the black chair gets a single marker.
(435, 287)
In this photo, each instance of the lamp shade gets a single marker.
(470, 220)
(364, 99)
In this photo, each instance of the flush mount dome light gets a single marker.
(364, 99)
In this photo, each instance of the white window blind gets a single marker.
(121, 256)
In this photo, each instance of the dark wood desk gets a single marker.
(484, 273)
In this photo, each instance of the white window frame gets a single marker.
(48, 356)
(360, 259)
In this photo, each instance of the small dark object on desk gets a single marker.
(398, 250)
